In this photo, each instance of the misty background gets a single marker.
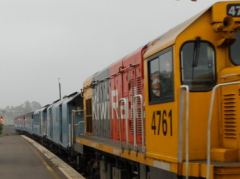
(43, 40)
(11, 112)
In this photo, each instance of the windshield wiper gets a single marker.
(196, 52)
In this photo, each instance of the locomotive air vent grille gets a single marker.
(139, 107)
(136, 89)
(230, 116)
(132, 92)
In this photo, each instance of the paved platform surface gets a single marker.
(68, 171)
(20, 160)
(8, 130)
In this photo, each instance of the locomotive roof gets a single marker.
(89, 80)
(65, 100)
(71, 97)
(46, 105)
(170, 36)
(152, 47)
(41, 109)
(73, 94)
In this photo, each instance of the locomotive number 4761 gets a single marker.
(233, 10)
(162, 123)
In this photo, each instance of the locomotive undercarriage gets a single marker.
(95, 164)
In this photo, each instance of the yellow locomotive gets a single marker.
(189, 124)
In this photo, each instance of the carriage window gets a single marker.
(161, 77)
(198, 65)
(234, 50)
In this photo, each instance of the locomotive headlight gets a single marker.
(228, 22)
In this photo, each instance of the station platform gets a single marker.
(20, 158)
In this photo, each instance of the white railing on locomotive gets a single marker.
(75, 128)
(135, 113)
(210, 113)
(122, 117)
(123, 105)
(182, 114)
(80, 128)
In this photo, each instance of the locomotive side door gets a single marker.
(161, 109)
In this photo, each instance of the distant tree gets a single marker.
(27, 106)
(35, 105)
(11, 112)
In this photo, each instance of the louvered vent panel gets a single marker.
(132, 93)
(230, 116)
(139, 107)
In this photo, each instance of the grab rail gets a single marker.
(139, 96)
(124, 100)
(186, 88)
(71, 126)
(210, 123)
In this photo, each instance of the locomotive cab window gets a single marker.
(198, 65)
(234, 50)
(161, 77)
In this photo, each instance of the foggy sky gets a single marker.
(41, 40)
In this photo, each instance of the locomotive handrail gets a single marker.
(186, 88)
(71, 128)
(124, 100)
(210, 123)
(130, 66)
(79, 123)
(139, 96)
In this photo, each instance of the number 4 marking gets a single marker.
(153, 125)
(232, 11)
